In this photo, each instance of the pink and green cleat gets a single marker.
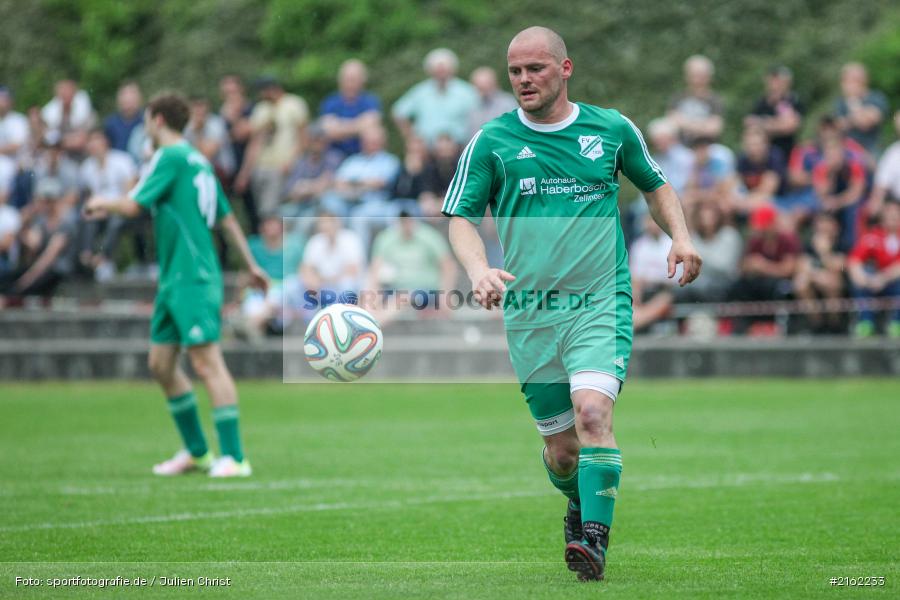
(183, 463)
(226, 466)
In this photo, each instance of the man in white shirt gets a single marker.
(111, 174)
(13, 126)
(70, 116)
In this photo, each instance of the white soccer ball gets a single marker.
(343, 342)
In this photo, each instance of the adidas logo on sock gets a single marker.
(525, 153)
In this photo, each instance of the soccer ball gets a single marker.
(343, 342)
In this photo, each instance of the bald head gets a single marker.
(550, 41)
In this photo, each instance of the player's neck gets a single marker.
(169, 138)
(558, 112)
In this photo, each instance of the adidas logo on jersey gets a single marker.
(620, 362)
(525, 153)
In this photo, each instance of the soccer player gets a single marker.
(181, 191)
(549, 173)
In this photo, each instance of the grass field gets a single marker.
(737, 488)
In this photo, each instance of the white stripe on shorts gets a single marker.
(557, 423)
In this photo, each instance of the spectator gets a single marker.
(887, 175)
(69, 116)
(279, 124)
(440, 104)
(779, 112)
(769, 264)
(800, 195)
(761, 168)
(208, 133)
(721, 247)
(820, 275)
(311, 176)
(278, 255)
(410, 191)
(129, 114)
(698, 111)
(109, 173)
(47, 243)
(362, 186)
(712, 179)
(333, 260)
(492, 101)
(236, 110)
(10, 222)
(650, 284)
(839, 181)
(874, 269)
(675, 160)
(439, 171)
(860, 111)
(13, 126)
(351, 110)
(52, 162)
(411, 257)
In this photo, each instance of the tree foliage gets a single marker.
(628, 53)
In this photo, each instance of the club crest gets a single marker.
(591, 146)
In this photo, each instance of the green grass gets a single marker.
(738, 488)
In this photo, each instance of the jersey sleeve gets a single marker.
(635, 160)
(156, 181)
(472, 186)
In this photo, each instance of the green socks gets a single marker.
(567, 484)
(598, 484)
(184, 411)
(226, 420)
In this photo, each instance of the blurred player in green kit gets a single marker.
(181, 191)
(549, 172)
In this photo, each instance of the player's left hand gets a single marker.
(258, 278)
(684, 253)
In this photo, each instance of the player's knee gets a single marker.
(204, 363)
(594, 415)
(563, 458)
(162, 370)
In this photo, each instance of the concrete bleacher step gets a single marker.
(135, 324)
(443, 358)
(121, 288)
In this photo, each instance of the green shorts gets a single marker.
(189, 315)
(546, 358)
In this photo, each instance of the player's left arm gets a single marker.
(665, 207)
(258, 277)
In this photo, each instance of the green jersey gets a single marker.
(553, 190)
(181, 191)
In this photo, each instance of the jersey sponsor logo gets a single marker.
(591, 146)
(527, 186)
(525, 153)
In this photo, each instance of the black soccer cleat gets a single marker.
(572, 522)
(587, 560)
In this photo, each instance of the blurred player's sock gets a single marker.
(598, 483)
(567, 484)
(226, 420)
(187, 419)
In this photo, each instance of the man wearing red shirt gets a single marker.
(874, 268)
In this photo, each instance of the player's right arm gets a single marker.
(476, 181)
(152, 186)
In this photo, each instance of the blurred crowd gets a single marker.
(329, 206)
(778, 218)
